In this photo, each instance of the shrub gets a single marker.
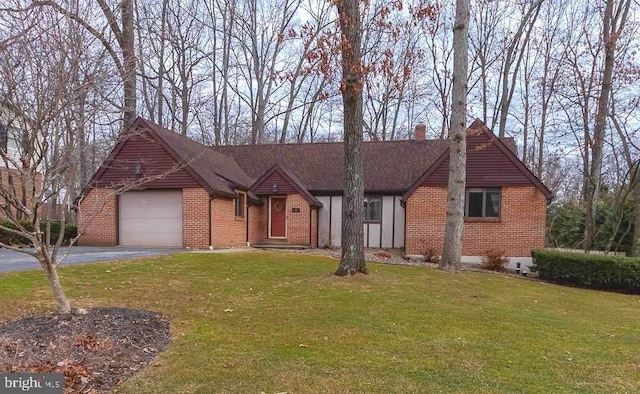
(594, 271)
(430, 256)
(9, 238)
(383, 254)
(494, 260)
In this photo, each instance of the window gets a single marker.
(240, 205)
(372, 209)
(482, 203)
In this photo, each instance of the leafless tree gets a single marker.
(46, 75)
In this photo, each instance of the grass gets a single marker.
(278, 322)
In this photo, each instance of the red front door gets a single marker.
(278, 217)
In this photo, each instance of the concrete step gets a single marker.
(279, 245)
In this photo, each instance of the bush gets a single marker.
(494, 260)
(595, 271)
(430, 256)
(6, 237)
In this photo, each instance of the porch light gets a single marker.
(274, 188)
(138, 169)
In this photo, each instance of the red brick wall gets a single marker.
(226, 229)
(520, 228)
(298, 230)
(97, 218)
(18, 178)
(257, 232)
(195, 221)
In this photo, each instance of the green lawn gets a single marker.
(279, 322)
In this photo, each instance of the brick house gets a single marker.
(160, 188)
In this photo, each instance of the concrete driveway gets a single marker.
(16, 261)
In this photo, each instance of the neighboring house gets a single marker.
(159, 188)
(11, 182)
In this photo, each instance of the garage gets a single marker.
(150, 218)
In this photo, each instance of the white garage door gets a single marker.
(151, 218)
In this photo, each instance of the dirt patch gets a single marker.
(95, 349)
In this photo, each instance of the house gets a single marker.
(160, 188)
(14, 185)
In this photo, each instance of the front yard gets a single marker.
(281, 322)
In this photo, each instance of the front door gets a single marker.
(278, 212)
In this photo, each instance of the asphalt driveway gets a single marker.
(16, 261)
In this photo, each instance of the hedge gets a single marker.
(593, 271)
(6, 237)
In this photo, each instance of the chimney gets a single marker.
(421, 130)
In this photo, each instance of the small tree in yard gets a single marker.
(47, 79)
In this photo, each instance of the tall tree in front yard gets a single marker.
(452, 248)
(352, 260)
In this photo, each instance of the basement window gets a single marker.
(240, 205)
(483, 202)
(372, 209)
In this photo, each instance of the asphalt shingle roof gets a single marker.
(390, 166)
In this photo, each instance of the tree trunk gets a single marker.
(352, 260)
(635, 244)
(611, 31)
(62, 303)
(452, 247)
(129, 58)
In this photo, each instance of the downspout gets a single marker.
(210, 222)
(310, 223)
(247, 220)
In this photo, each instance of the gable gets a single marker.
(487, 165)
(265, 186)
(279, 181)
(490, 163)
(157, 165)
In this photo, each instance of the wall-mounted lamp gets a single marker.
(138, 169)
(274, 188)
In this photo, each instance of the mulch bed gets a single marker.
(95, 349)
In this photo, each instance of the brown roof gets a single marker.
(390, 166)
(316, 168)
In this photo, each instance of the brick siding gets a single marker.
(97, 218)
(298, 230)
(257, 226)
(520, 228)
(226, 229)
(195, 223)
(18, 186)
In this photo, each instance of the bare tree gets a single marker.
(44, 76)
(452, 248)
(124, 56)
(614, 19)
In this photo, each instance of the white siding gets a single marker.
(330, 224)
(336, 221)
(387, 222)
(398, 233)
(373, 236)
(323, 222)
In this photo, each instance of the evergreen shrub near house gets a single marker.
(9, 238)
(595, 271)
